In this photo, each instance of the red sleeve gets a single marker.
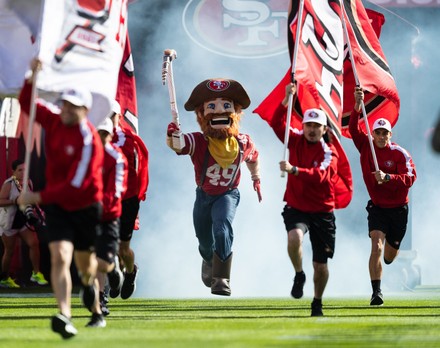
(251, 153)
(25, 97)
(356, 133)
(278, 121)
(43, 114)
(406, 171)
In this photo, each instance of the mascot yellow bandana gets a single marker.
(224, 151)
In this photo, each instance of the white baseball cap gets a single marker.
(78, 97)
(382, 123)
(106, 125)
(315, 115)
(115, 108)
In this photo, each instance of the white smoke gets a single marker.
(166, 246)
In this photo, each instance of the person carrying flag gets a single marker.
(72, 197)
(217, 153)
(388, 188)
(310, 195)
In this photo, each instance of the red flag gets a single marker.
(318, 73)
(343, 181)
(318, 69)
(126, 92)
(381, 96)
(126, 96)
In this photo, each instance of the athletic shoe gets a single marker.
(9, 283)
(103, 300)
(317, 309)
(62, 325)
(298, 285)
(38, 278)
(207, 273)
(376, 298)
(129, 284)
(97, 320)
(87, 295)
(115, 280)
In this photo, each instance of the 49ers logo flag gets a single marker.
(319, 65)
(319, 77)
(324, 72)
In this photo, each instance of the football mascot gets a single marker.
(217, 153)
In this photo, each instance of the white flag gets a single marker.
(81, 45)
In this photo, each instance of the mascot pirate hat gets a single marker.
(217, 88)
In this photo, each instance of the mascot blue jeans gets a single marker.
(212, 217)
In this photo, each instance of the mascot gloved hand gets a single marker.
(172, 128)
(257, 188)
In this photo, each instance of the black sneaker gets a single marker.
(317, 309)
(87, 295)
(376, 298)
(129, 284)
(62, 325)
(298, 285)
(97, 320)
(115, 280)
(103, 300)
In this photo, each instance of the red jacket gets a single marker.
(312, 191)
(115, 182)
(393, 160)
(74, 157)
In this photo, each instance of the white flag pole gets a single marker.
(290, 105)
(31, 122)
(33, 109)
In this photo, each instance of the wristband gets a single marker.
(294, 170)
(387, 177)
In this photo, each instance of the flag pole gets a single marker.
(290, 105)
(32, 112)
(33, 109)
(356, 78)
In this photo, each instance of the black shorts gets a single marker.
(391, 221)
(79, 227)
(322, 229)
(107, 241)
(130, 209)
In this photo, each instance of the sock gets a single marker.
(317, 301)
(375, 284)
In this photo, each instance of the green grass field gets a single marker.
(410, 321)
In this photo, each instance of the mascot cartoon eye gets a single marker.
(211, 106)
(227, 105)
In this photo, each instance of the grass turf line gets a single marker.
(401, 322)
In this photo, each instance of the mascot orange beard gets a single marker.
(223, 130)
